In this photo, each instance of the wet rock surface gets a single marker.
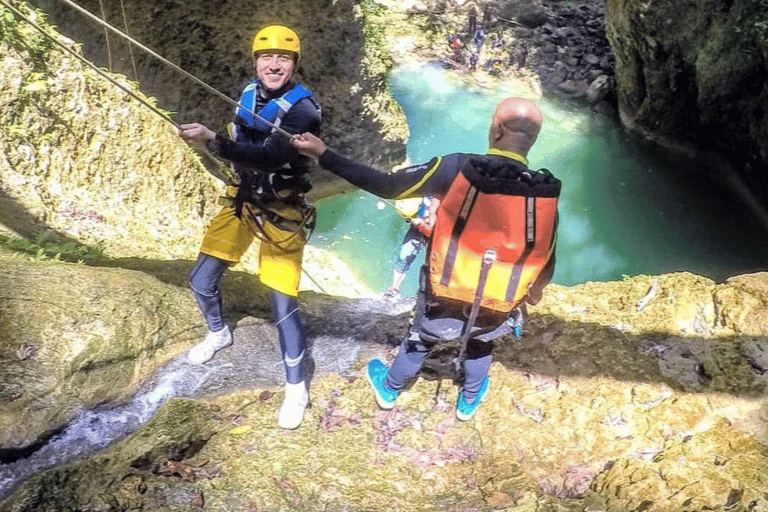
(645, 393)
(74, 337)
(684, 75)
(567, 47)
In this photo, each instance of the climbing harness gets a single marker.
(495, 233)
(297, 220)
(488, 258)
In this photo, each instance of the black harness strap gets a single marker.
(488, 258)
(458, 229)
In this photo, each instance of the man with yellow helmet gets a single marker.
(268, 203)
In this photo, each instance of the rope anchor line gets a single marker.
(162, 59)
(85, 61)
(175, 67)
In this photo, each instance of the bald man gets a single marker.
(514, 127)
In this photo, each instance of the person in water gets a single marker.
(268, 203)
(514, 128)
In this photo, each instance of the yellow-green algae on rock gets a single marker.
(580, 416)
(84, 161)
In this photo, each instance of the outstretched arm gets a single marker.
(409, 182)
(272, 152)
(309, 145)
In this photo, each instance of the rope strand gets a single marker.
(130, 46)
(165, 61)
(228, 175)
(106, 36)
(90, 64)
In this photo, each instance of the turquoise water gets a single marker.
(625, 209)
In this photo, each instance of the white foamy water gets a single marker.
(94, 430)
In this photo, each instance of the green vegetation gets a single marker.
(376, 57)
(377, 62)
(22, 37)
(752, 23)
(43, 249)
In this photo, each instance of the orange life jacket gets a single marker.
(495, 231)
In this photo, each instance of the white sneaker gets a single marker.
(213, 342)
(295, 402)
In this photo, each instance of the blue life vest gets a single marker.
(273, 111)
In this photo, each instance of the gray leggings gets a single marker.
(413, 352)
(204, 279)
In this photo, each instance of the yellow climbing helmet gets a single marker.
(277, 37)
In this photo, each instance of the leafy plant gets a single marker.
(752, 22)
(43, 249)
(22, 37)
(376, 57)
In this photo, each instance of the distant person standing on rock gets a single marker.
(521, 55)
(499, 41)
(472, 20)
(473, 61)
(479, 38)
(486, 15)
(469, 291)
(267, 203)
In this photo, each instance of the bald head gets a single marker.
(515, 125)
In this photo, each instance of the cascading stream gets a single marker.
(94, 430)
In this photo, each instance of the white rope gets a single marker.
(130, 46)
(286, 316)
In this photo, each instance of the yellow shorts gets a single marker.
(228, 238)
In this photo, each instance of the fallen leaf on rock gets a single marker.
(265, 395)
(498, 499)
(237, 419)
(214, 472)
(332, 417)
(285, 483)
(242, 429)
(197, 499)
(24, 352)
(355, 419)
(177, 468)
(547, 337)
(445, 424)
(576, 481)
